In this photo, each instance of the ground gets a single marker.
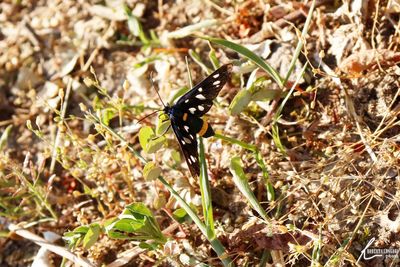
(303, 169)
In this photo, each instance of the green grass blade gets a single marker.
(213, 57)
(267, 183)
(274, 124)
(204, 184)
(276, 138)
(188, 30)
(215, 243)
(205, 192)
(4, 137)
(241, 181)
(300, 43)
(197, 59)
(316, 253)
(190, 79)
(259, 160)
(250, 55)
(237, 142)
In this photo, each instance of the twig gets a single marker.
(62, 116)
(63, 252)
(220, 9)
(266, 33)
(350, 106)
(90, 59)
(32, 35)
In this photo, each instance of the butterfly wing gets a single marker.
(198, 100)
(185, 115)
(188, 143)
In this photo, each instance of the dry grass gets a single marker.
(310, 187)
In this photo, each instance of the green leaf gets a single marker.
(75, 237)
(109, 221)
(117, 235)
(179, 213)
(264, 94)
(135, 26)
(87, 190)
(81, 230)
(106, 115)
(241, 181)
(250, 55)
(147, 142)
(145, 134)
(92, 235)
(163, 123)
(151, 171)
(129, 225)
(147, 246)
(136, 222)
(4, 137)
(257, 90)
(97, 103)
(240, 102)
(155, 144)
(178, 94)
(176, 156)
(138, 208)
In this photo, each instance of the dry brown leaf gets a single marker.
(367, 59)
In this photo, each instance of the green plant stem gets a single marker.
(118, 136)
(268, 185)
(64, 104)
(140, 107)
(264, 258)
(189, 73)
(40, 200)
(236, 141)
(300, 43)
(275, 129)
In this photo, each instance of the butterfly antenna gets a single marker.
(145, 117)
(156, 88)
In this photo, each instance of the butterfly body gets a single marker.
(185, 115)
(194, 125)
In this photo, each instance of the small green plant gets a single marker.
(136, 222)
(26, 195)
(136, 29)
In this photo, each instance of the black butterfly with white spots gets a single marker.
(185, 115)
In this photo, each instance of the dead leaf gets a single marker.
(367, 59)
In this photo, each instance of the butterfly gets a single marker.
(185, 115)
